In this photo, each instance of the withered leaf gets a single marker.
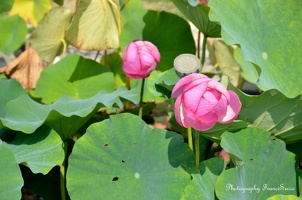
(26, 68)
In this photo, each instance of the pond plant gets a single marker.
(144, 117)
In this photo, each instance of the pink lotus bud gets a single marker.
(201, 102)
(139, 59)
(225, 156)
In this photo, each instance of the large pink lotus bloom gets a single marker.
(139, 59)
(201, 102)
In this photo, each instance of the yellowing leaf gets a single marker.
(96, 25)
(31, 11)
(48, 38)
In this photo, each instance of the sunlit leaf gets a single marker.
(66, 114)
(170, 34)
(269, 38)
(73, 75)
(253, 147)
(226, 62)
(124, 154)
(198, 15)
(32, 11)
(96, 25)
(40, 151)
(10, 176)
(12, 34)
(48, 37)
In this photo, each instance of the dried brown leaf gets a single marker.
(26, 68)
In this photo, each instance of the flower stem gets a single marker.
(63, 173)
(140, 112)
(203, 55)
(190, 139)
(197, 151)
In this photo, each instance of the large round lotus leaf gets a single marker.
(73, 75)
(10, 176)
(31, 10)
(48, 37)
(123, 158)
(40, 151)
(170, 34)
(264, 166)
(12, 34)
(96, 25)
(268, 37)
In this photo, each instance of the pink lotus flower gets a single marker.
(139, 59)
(201, 102)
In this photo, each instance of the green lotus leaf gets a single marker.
(40, 151)
(124, 154)
(11, 180)
(13, 32)
(274, 112)
(251, 148)
(284, 197)
(26, 115)
(247, 70)
(48, 37)
(73, 75)
(95, 26)
(10, 89)
(267, 38)
(133, 24)
(202, 185)
(170, 34)
(198, 14)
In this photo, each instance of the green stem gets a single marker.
(198, 44)
(203, 55)
(140, 113)
(63, 173)
(190, 139)
(197, 151)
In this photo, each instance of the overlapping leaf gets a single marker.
(40, 151)
(170, 34)
(124, 154)
(274, 112)
(22, 113)
(10, 175)
(133, 24)
(198, 14)
(31, 11)
(253, 147)
(48, 37)
(13, 32)
(202, 185)
(73, 75)
(267, 38)
(96, 25)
